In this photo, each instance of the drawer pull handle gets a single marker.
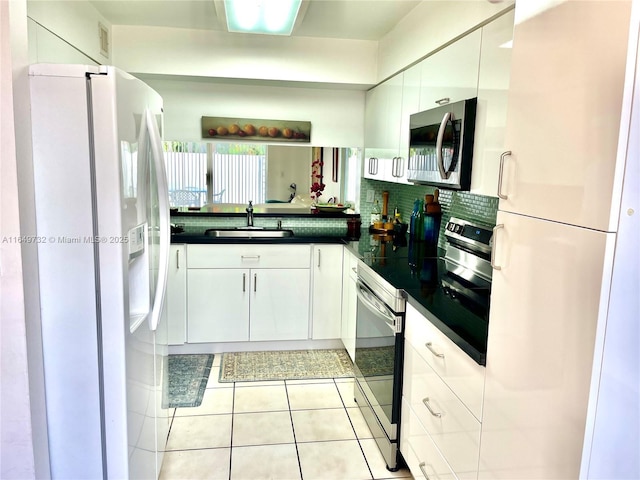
(431, 411)
(424, 472)
(494, 265)
(250, 257)
(429, 345)
(500, 173)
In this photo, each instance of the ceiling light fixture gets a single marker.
(270, 17)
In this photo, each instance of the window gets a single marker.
(201, 173)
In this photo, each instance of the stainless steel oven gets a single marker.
(378, 359)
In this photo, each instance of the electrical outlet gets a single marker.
(370, 194)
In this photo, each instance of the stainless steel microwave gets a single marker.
(441, 145)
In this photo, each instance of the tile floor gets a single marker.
(291, 429)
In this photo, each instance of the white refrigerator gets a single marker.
(102, 219)
(562, 376)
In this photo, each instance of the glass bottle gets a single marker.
(376, 213)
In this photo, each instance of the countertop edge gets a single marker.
(181, 238)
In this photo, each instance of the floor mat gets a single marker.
(188, 376)
(288, 364)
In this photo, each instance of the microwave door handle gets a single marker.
(443, 125)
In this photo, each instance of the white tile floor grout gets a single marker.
(280, 430)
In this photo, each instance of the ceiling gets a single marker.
(348, 19)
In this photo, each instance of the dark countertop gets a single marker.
(273, 213)
(420, 272)
(204, 239)
(414, 268)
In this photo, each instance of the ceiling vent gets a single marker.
(103, 33)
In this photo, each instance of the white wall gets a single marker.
(74, 21)
(336, 116)
(180, 51)
(430, 25)
(45, 47)
(287, 165)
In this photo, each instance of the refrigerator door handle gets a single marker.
(164, 220)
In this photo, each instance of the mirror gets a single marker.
(222, 177)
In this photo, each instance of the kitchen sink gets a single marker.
(248, 233)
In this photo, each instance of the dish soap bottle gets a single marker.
(376, 214)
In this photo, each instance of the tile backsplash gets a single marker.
(464, 205)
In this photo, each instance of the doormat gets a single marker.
(285, 365)
(188, 377)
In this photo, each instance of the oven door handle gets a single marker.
(377, 308)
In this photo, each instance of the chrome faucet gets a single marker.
(250, 214)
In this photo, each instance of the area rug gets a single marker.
(188, 376)
(285, 365)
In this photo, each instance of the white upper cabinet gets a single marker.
(410, 105)
(451, 74)
(491, 114)
(382, 119)
(564, 112)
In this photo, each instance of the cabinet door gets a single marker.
(279, 304)
(491, 113)
(564, 110)
(327, 291)
(378, 168)
(349, 302)
(382, 121)
(410, 105)
(373, 124)
(218, 305)
(545, 308)
(176, 298)
(451, 73)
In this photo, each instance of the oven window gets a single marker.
(375, 357)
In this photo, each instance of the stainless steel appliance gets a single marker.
(441, 145)
(468, 262)
(378, 359)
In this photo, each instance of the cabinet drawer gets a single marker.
(249, 256)
(422, 456)
(464, 376)
(452, 427)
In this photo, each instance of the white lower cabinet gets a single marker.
(422, 456)
(279, 307)
(327, 292)
(440, 433)
(239, 293)
(175, 303)
(349, 302)
(218, 305)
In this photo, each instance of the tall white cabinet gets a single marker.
(564, 110)
(554, 245)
